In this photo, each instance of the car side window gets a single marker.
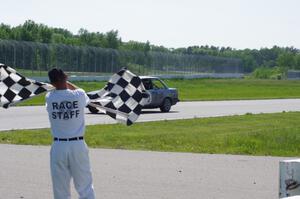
(147, 84)
(157, 84)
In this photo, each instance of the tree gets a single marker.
(29, 31)
(45, 34)
(286, 60)
(147, 47)
(85, 36)
(58, 38)
(112, 39)
(5, 31)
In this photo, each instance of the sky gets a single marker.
(172, 23)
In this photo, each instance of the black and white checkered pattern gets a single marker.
(122, 98)
(15, 88)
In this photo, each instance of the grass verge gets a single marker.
(233, 89)
(262, 134)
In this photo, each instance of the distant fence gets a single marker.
(33, 56)
(168, 76)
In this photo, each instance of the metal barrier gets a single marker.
(293, 74)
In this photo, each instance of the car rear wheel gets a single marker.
(93, 109)
(166, 105)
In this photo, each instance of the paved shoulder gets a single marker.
(148, 175)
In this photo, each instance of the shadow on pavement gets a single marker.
(156, 112)
(143, 112)
(95, 113)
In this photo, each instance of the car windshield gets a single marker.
(157, 84)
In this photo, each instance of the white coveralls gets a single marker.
(69, 159)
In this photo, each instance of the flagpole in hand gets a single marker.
(71, 86)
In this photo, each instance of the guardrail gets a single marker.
(293, 74)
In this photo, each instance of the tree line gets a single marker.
(284, 57)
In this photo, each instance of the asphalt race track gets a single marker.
(25, 170)
(31, 117)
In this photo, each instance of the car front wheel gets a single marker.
(166, 105)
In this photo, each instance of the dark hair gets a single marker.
(56, 75)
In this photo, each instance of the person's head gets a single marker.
(58, 78)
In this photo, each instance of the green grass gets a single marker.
(231, 89)
(215, 89)
(263, 134)
(32, 73)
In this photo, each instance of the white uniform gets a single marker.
(69, 158)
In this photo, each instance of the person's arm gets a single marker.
(71, 86)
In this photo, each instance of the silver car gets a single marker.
(161, 96)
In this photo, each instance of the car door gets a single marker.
(149, 89)
(157, 92)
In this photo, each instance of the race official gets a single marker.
(69, 156)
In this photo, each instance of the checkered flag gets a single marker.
(15, 88)
(122, 98)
